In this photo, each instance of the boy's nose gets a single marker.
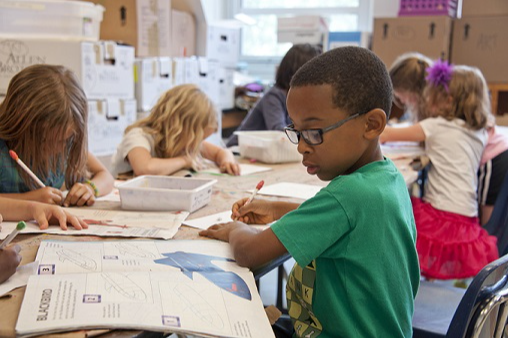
(303, 147)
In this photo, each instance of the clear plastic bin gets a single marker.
(267, 146)
(161, 193)
(51, 18)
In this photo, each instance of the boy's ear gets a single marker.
(375, 122)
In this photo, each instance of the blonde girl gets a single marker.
(172, 137)
(44, 120)
(408, 78)
(451, 243)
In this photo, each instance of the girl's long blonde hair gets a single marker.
(43, 104)
(178, 120)
(408, 75)
(467, 97)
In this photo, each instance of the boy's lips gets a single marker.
(311, 168)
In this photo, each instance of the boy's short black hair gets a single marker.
(359, 79)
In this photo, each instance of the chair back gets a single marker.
(483, 310)
(498, 222)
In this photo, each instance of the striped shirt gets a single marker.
(10, 179)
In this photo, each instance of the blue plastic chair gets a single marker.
(479, 311)
(498, 222)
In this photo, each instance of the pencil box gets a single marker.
(162, 193)
(267, 146)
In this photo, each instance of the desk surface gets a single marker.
(227, 190)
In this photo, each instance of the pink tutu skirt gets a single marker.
(449, 245)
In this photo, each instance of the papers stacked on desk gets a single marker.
(113, 223)
(192, 287)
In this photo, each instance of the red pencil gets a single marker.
(258, 187)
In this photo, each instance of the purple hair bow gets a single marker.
(440, 73)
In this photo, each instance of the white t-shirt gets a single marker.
(136, 137)
(455, 152)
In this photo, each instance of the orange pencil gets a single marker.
(25, 167)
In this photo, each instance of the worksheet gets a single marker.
(113, 223)
(245, 169)
(402, 149)
(291, 190)
(218, 218)
(182, 286)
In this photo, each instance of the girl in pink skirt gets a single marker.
(451, 244)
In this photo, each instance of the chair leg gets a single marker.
(280, 286)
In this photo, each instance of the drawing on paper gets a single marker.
(128, 249)
(198, 305)
(124, 285)
(103, 223)
(77, 259)
(188, 263)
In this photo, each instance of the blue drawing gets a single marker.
(189, 263)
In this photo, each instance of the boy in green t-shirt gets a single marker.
(356, 271)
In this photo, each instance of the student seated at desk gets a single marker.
(173, 137)
(270, 112)
(356, 271)
(44, 214)
(408, 74)
(451, 243)
(44, 117)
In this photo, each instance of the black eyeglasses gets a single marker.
(313, 136)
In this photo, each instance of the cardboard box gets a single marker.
(226, 88)
(154, 76)
(178, 71)
(310, 29)
(183, 34)
(484, 7)
(209, 79)
(107, 120)
(429, 35)
(482, 42)
(104, 68)
(144, 24)
(223, 44)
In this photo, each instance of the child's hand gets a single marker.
(47, 195)
(49, 214)
(230, 168)
(79, 195)
(9, 261)
(256, 212)
(220, 231)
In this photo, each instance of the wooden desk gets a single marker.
(227, 190)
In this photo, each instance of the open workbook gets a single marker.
(182, 286)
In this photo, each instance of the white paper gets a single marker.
(291, 190)
(110, 223)
(205, 222)
(187, 286)
(245, 169)
(401, 150)
(114, 195)
(20, 278)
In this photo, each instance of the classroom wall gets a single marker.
(386, 8)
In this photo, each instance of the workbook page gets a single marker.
(189, 287)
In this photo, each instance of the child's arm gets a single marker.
(412, 133)
(9, 261)
(261, 211)
(143, 163)
(46, 195)
(251, 248)
(85, 193)
(222, 157)
(44, 214)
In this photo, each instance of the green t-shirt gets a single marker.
(356, 271)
